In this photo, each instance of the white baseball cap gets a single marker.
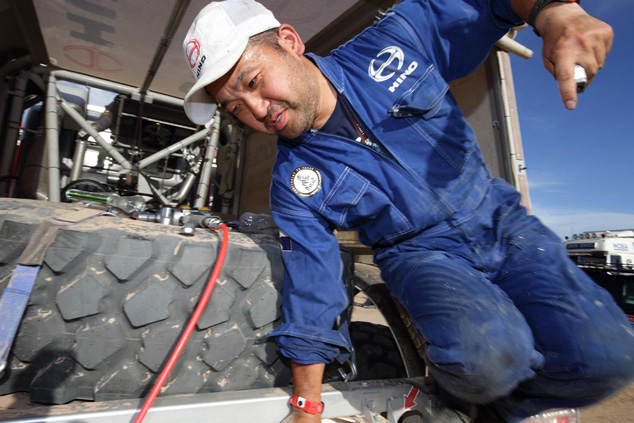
(214, 44)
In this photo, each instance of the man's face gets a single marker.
(269, 90)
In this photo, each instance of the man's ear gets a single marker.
(290, 39)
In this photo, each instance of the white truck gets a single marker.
(608, 258)
(112, 294)
(610, 250)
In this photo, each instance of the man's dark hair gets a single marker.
(266, 38)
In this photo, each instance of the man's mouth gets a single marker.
(279, 122)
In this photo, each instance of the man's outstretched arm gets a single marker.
(307, 384)
(571, 37)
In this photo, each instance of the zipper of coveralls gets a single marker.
(363, 134)
(356, 122)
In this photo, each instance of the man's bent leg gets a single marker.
(587, 341)
(479, 345)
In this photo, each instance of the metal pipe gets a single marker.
(156, 193)
(239, 133)
(170, 183)
(4, 100)
(188, 183)
(112, 86)
(508, 44)
(228, 189)
(13, 129)
(112, 152)
(173, 148)
(78, 159)
(170, 29)
(37, 80)
(5, 95)
(16, 64)
(205, 174)
(52, 140)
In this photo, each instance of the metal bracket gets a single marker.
(137, 96)
(394, 415)
(398, 406)
(395, 406)
(368, 410)
(352, 363)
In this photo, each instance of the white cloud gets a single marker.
(566, 222)
(547, 181)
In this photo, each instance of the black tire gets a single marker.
(114, 294)
(408, 342)
(392, 351)
(377, 355)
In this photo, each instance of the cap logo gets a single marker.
(192, 52)
(306, 181)
(200, 66)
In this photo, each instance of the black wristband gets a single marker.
(539, 6)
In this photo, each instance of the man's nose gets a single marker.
(259, 107)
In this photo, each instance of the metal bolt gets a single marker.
(188, 230)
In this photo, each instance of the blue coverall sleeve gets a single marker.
(458, 34)
(315, 298)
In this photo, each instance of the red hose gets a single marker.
(190, 326)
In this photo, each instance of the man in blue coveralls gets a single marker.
(372, 140)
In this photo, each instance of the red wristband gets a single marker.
(311, 407)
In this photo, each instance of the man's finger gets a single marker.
(564, 73)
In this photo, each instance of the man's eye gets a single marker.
(252, 83)
(235, 109)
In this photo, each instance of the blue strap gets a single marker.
(15, 297)
(12, 305)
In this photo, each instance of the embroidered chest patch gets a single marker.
(306, 181)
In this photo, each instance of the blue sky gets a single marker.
(580, 163)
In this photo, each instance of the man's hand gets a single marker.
(298, 416)
(572, 37)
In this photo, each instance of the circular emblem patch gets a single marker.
(306, 181)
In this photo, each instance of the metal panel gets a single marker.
(21, 36)
(476, 97)
(259, 157)
(269, 405)
(117, 40)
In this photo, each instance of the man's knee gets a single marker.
(614, 378)
(606, 369)
(488, 366)
(607, 350)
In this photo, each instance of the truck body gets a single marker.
(608, 258)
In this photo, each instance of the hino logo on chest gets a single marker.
(412, 67)
(380, 74)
